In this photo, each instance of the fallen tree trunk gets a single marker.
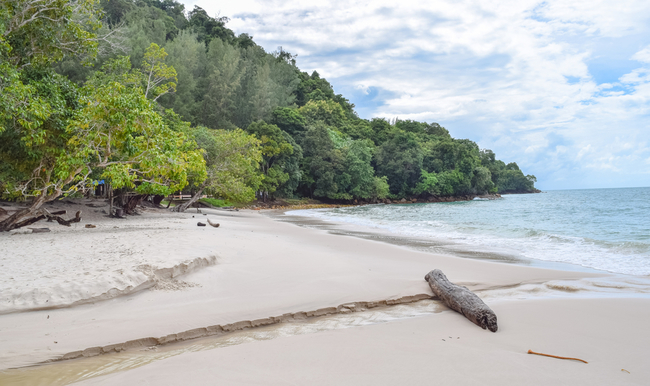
(61, 220)
(35, 219)
(462, 300)
(183, 207)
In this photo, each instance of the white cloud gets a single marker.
(643, 55)
(512, 75)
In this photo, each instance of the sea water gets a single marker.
(603, 229)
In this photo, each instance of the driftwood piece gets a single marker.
(29, 221)
(90, 226)
(555, 356)
(32, 220)
(61, 220)
(39, 230)
(50, 215)
(213, 224)
(462, 300)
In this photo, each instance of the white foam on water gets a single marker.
(626, 257)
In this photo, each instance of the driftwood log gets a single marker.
(462, 300)
(213, 224)
(45, 214)
(39, 230)
(61, 220)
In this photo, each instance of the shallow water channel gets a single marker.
(75, 370)
(70, 371)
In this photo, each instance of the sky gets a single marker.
(560, 87)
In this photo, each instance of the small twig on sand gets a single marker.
(213, 224)
(555, 356)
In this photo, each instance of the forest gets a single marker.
(155, 99)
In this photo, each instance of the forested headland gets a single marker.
(155, 99)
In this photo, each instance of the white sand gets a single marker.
(267, 268)
(441, 349)
(76, 265)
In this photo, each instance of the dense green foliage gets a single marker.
(168, 115)
(56, 137)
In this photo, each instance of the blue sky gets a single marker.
(562, 88)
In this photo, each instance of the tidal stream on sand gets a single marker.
(70, 371)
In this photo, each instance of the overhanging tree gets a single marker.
(54, 135)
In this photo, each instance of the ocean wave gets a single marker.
(461, 229)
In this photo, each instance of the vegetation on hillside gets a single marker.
(154, 98)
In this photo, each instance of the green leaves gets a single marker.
(232, 159)
(43, 32)
(337, 167)
(119, 129)
(160, 78)
(276, 149)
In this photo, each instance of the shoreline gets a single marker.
(423, 244)
(267, 267)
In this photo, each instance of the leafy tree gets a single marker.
(339, 167)
(173, 9)
(313, 87)
(232, 163)
(157, 72)
(115, 10)
(317, 165)
(276, 149)
(358, 129)
(208, 28)
(400, 159)
(39, 33)
(291, 166)
(108, 125)
(326, 111)
(428, 183)
(283, 81)
(219, 86)
(363, 182)
(146, 25)
(289, 120)
(382, 131)
(121, 132)
(424, 131)
(453, 182)
(482, 181)
(188, 57)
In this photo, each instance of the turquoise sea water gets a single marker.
(604, 229)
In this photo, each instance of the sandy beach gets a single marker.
(157, 282)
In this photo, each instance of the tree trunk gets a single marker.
(17, 219)
(183, 207)
(462, 300)
(157, 199)
(130, 202)
(110, 200)
(21, 219)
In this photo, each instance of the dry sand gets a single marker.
(266, 268)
